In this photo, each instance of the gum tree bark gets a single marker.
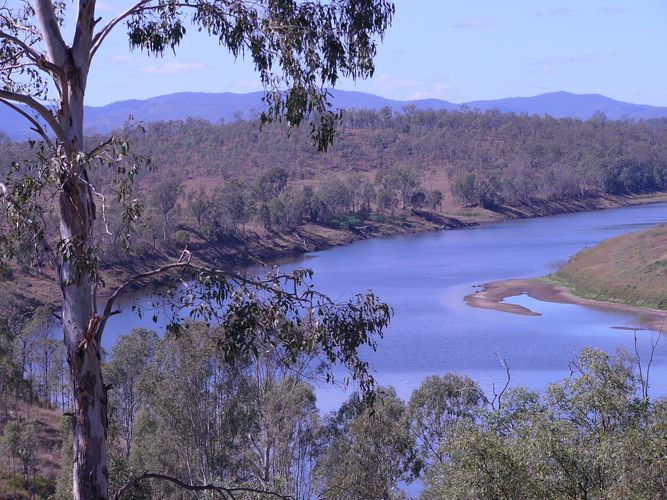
(77, 214)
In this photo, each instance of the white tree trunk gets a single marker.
(77, 214)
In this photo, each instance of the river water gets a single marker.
(425, 277)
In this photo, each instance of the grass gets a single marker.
(15, 486)
(12, 480)
(630, 269)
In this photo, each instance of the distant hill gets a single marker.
(566, 104)
(227, 106)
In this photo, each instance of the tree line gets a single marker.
(176, 215)
(179, 409)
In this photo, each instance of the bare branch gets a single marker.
(97, 149)
(98, 39)
(644, 379)
(224, 492)
(35, 124)
(497, 396)
(36, 106)
(183, 262)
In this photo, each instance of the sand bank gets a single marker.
(491, 296)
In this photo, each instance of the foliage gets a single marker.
(590, 435)
(368, 450)
(436, 405)
(131, 354)
(19, 439)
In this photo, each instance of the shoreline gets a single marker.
(446, 221)
(278, 248)
(491, 296)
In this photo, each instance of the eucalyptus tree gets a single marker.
(368, 452)
(436, 405)
(298, 47)
(130, 356)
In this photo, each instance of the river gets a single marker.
(425, 277)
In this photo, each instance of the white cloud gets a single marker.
(248, 85)
(471, 24)
(432, 90)
(613, 9)
(411, 89)
(388, 84)
(558, 11)
(174, 68)
(549, 65)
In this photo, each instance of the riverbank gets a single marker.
(493, 295)
(261, 246)
(258, 246)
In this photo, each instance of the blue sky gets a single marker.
(453, 50)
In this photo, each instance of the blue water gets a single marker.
(425, 277)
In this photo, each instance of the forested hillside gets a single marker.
(233, 192)
(512, 158)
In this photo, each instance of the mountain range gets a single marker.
(228, 106)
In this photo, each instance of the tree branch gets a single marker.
(102, 34)
(229, 492)
(34, 55)
(141, 6)
(83, 39)
(51, 32)
(35, 124)
(36, 106)
(497, 396)
(184, 261)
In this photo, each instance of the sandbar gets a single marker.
(491, 296)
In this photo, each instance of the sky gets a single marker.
(453, 50)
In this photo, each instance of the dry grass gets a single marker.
(631, 269)
(12, 484)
